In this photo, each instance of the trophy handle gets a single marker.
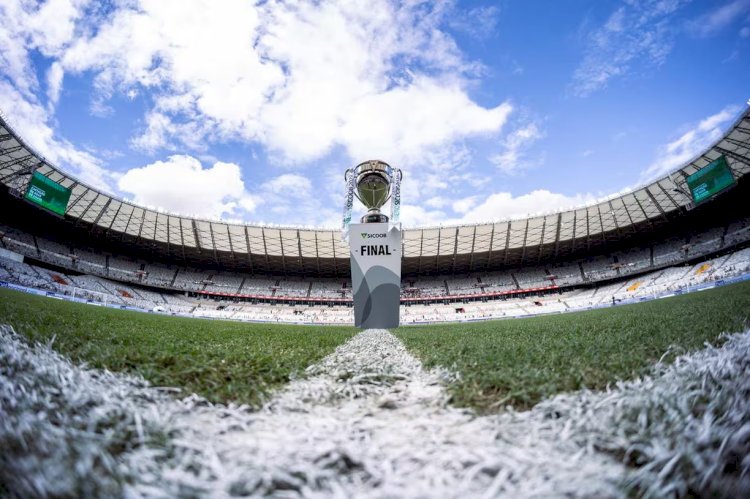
(395, 196)
(349, 176)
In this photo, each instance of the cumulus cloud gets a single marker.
(293, 199)
(289, 183)
(465, 204)
(302, 79)
(306, 81)
(47, 27)
(496, 206)
(181, 185)
(502, 205)
(31, 120)
(689, 144)
(54, 84)
(418, 216)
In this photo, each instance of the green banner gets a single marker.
(48, 194)
(710, 180)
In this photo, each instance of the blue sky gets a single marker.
(252, 112)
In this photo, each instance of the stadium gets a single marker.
(597, 351)
(647, 244)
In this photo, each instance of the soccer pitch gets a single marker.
(365, 417)
(221, 361)
(522, 361)
(514, 362)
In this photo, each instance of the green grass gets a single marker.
(522, 361)
(220, 360)
(510, 362)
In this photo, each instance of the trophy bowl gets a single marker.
(373, 188)
(372, 182)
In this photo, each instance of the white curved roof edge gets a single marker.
(609, 197)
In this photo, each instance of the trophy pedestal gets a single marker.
(376, 274)
(374, 245)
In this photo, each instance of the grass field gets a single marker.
(510, 362)
(220, 360)
(521, 361)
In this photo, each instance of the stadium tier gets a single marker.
(652, 240)
(96, 289)
(95, 218)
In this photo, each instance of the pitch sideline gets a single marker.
(367, 421)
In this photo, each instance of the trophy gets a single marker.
(371, 183)
(374, 244)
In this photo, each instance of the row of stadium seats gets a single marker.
(101, 290)
(590, 270)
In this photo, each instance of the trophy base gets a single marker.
(374, 218)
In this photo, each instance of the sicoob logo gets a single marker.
(365, 235)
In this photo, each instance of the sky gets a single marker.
(252, 111)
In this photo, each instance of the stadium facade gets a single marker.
(619, 236)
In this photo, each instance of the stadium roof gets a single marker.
(454, 249)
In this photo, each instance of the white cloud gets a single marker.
(300, 78)
(465, 204)
(417, 216)
(181, 185)
(48, 28)
(26, 26)
(688, 145)
(289, 183)
(31, 120)
(55, 76)
(503, 205)
(162, 132)
(303, 80)
(513, 158)
(411, 120)
(437, 202)
(638, 35)
(496, 206)
(719, 18)
(294, 199)
(478, 22)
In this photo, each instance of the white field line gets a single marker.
(368, 421)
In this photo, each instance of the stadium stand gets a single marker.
(124, 270)
(90, 262)
(669, 252)
(257, 287)
(633, 261)
(465, 286)
(498, 282)
(424, 288)
(158, 275)
(641, 243)
(292, 288)
(568, 274)
(191, 280)
(599, 268)
(224, 283)
(651, 284)
(737, 232)
(705, 242)
(532, 278)
(331, 289)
